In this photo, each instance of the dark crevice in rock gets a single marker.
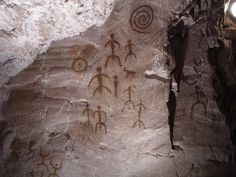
(177, 35)
(224, 83)
(178, 39)
(222, 58)
(171, 104)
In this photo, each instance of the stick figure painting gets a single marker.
(100, 78)
(86, 102)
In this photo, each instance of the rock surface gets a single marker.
(200, 127)
(87, 101)
(27, 28)
(95, 104)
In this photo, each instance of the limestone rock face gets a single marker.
(108, 102)
(199, 125)
(27, 28)
(95, 104)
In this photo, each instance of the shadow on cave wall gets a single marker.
(177, 35)
(221, 57)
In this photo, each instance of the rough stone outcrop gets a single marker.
(27, 28)
(133, 97)
(91, 105)
(197, 111)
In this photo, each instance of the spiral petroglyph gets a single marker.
(141, 19)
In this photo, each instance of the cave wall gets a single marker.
(200, 124)
(161, 131)
(95, 104)
(27, 28)
(222, 59)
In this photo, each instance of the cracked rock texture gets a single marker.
(27, 28)
(95, 104)
(87, 106)
(200, 127)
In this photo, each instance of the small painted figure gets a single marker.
(113, 56)
(43, 156)
(56, 167)
(80, 64)
(89, 114)
(129, 101)
(101, 115)
(131, 53)
(116, 82)
(198, 94)
(139, 121)
(99, 78)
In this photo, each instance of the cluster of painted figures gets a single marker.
(101, 87)
(141, 20)
(53, 164)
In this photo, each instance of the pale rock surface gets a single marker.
(27, 27)
(45, 103)
(47, 100)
